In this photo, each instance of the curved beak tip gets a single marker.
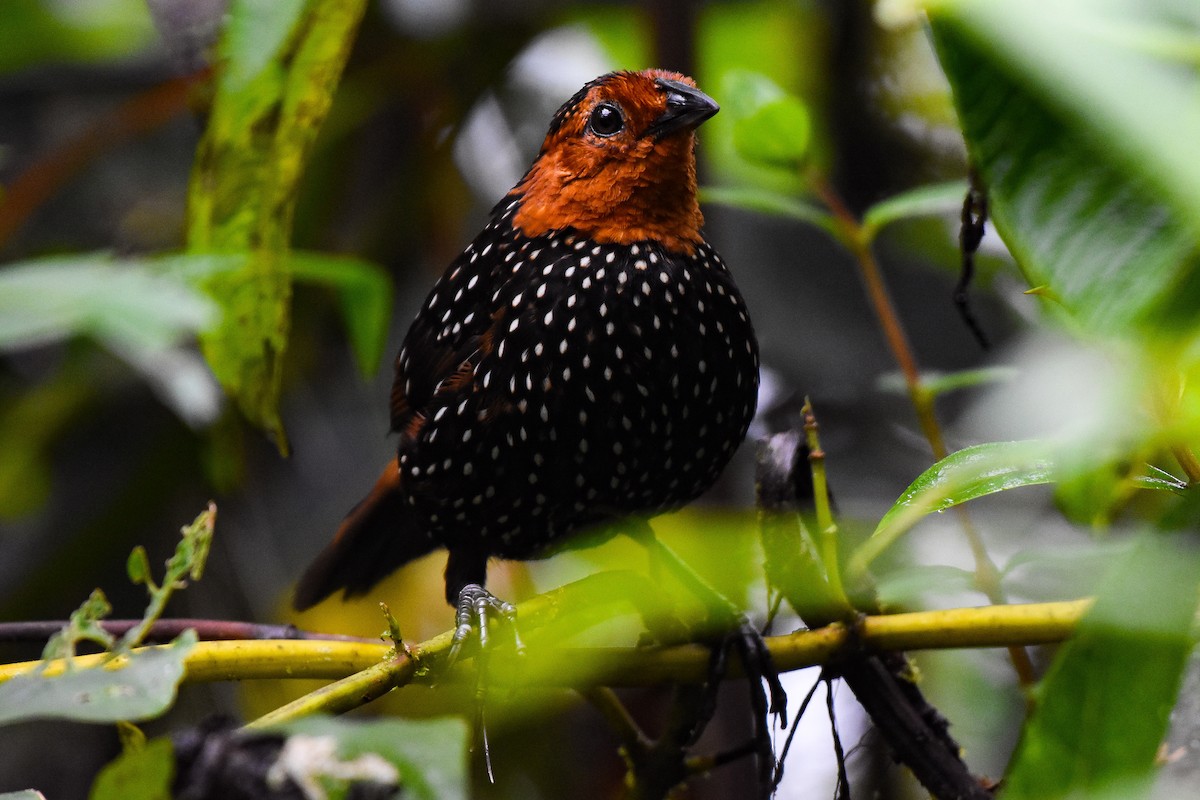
(687, 107)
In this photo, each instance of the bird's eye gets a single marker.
(605, 120)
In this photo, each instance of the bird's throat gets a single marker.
(619, 202)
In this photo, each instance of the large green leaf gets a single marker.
(281, 62)
(1122, 73)
(142, 688)
(1103, 708)
(1049, 95)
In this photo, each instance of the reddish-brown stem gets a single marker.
(164, 630)
(885, 312)
(40, 181)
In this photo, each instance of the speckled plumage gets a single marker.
(557, 380)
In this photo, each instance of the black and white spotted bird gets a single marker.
(586, 358)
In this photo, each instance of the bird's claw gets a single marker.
(474, 605)
(747, 643)
(757, 662)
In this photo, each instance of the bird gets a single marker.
(586, 359)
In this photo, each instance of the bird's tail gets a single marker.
(378, 536)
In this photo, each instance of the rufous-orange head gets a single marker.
(618, 164)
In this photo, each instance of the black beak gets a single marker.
(687, 107)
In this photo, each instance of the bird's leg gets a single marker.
(466, 571)
(473, 607)
(738, 635)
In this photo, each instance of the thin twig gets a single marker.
(787, 744)
(843, 777)
(1188, 461)
(164, 630)
(699, 765)
(827, 532)
(605, 700)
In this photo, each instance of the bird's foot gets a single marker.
(475, 603)
(474, 606)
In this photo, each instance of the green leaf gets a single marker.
(142, 688)
(973, 472)
(83, 626)
(255, 38)
(1093, 229)
(187, 561)
(282, 62)
(142, 774)
(776, 134)
(138, 565)
(127, 301)
(191, 554)
(365, 292)
(925, 201)
(939, 383)
(1093, 493)
(770, 126)
(764, 201)
(1161, 480)
(1103, 707)
(793, 567)
(430, 755)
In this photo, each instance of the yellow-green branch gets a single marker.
(364, 665)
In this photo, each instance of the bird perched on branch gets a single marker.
(587, 358)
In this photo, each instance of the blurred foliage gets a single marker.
(770, 127)
(127, 303)
(141, 774)
(36, 32)
(1104, 705)
(1080, 117)
(430, 755)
